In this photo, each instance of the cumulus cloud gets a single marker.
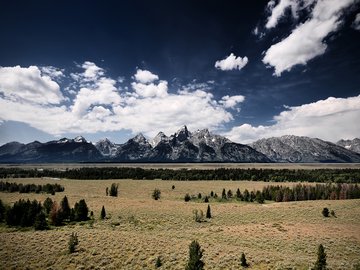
(52, 72)
(100, 104)
(356, 23)
(29, 85)
(231, 101)
(145, 76)
(231, 62)
(306, 41)
(329, 119)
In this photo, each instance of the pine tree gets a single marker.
(206, 200)
(114, 190)
(40, 222)
(187, 197)
(212, 194)
(73, 242)
(229, 194)
(173, 187)
(81, 211)
(103, 213)
(199, 196)
(195, 255)
(65, 208)
(2, 211)
(320, 264)
(55, 215)
(158, 262)
(238, 194)
(48, 203)
(243, 262)
(208, 212)
(223, 194)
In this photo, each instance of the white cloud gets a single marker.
(145, 76)
(330, 119)
(231, 62)
(29, 85)
(99, 105)
(278, 11)
(356, 23)
(307, 40)
(53, 72)
(231, 101)
(151, 90)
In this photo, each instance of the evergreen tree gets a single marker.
(65, 208)
(229, 194)
(187, 197)
(320, 263)
(223, 194)
(81, 210)
(212, 194)
(103, 213)
(206, 200)
(156, 194)
(246, 195)
(195, 255)
(199, 196)
(114, 190)
(2, 211)
(325, 212)
(40, 222)
(259, 197)
(55, 215)
(107, 191)
(173, 187)
(73, 242)
(48, 203)
(208, 212)
(243, 261)
(158, 262)
(238, 194)
(332, 213)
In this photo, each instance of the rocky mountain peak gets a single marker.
(140, 138)
(182, 134)
(158, 138)
(80, 139)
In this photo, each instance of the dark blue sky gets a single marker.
(179, 41)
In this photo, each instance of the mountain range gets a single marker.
(183, 146)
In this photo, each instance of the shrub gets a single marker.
(156, 194)
(223, 194)
(206, 200)
(229, 194)
(199, 196)
(320, 263)
(195, 255)
(332, 213)
(208, 212)
(173, 187)
(243, 262)
(187, 197)
(40, 223)
(158, 262)
(73, 242)
(198, 215)
(114, 190)
(103, 213)
(325, 212)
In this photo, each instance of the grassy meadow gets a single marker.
(139, 229)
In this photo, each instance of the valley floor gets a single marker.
(139, 229)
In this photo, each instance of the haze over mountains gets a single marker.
(183, 146)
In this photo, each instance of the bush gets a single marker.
(114, 190)
(187, 197)
(332, 213)
(156, 194)
(195, 255)
(73, 242)
(325, 212)
(103, 213)
(243, 261)
(198, 216)
(320, 263)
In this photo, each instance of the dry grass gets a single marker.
(273, 236)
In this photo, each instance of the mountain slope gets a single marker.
(353, 145)
(291, 148)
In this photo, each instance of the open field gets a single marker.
(273, 235)
(203, 166)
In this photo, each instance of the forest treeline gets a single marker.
(268, 175)
(31, 188)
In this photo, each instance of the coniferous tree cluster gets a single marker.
(268, 175)
(30, 188)
(23, 213)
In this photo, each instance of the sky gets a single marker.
(243, 69)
